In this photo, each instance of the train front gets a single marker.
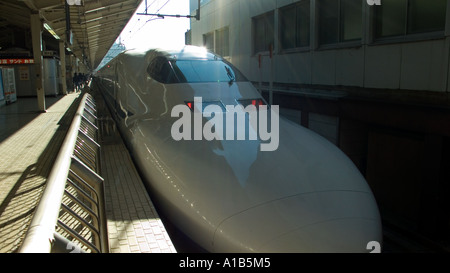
(273, 187)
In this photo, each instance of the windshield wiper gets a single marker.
(230, 75)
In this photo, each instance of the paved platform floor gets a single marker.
(29, 142)
(134, 225)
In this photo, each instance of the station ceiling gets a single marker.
(95, 24)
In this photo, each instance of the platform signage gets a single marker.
(24, 73)
(74, 2)
(16, 61)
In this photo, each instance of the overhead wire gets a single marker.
(133, 31)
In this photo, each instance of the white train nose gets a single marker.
(340, 235)
(331, 221)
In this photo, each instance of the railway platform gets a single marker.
(29, 143)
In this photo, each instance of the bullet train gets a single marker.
(229, 194)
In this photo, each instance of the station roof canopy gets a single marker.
(95, 24)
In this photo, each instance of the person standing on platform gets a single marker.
(75, 80)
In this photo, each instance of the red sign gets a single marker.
(16, 61)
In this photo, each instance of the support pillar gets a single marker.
(36, 37)
(62, 57)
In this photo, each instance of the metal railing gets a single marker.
(71, 214)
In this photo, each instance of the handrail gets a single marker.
(42, 233)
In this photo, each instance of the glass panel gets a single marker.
(302, 38)
(328, 21)
(426, 15)
(160, 70)
(287, 20)
(351, 20)
(259, 38)
(269, 38)
(222, 42)
(263, 32)
(391, 18)
(195, 71)
(208, 41)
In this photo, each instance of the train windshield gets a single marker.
(193, 71)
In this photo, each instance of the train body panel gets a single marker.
(227, 194)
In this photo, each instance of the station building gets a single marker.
(372, 79)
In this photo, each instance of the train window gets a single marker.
(194, 71)
(161, 70)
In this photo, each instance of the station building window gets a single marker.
(403, 17)
(295, 25)
(340, 21)
(222, 42)
(263, 32)
(208, 41)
